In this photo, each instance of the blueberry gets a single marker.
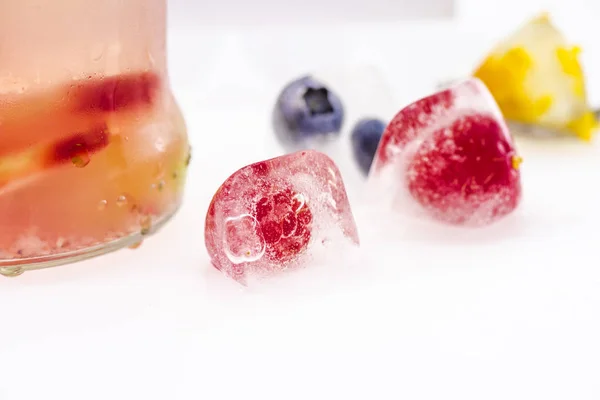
(365, 139)
(307, 109)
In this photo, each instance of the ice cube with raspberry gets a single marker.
(452, 154)
(270, 216)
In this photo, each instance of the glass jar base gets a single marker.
(16, 267)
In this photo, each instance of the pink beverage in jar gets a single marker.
(93, 148)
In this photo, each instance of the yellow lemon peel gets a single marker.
(541, 18)
(584, 126)
(568, 59)
(504, 76)
(512, 74)
(516, 162)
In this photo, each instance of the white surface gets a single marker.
(509, 312)
(258, 12)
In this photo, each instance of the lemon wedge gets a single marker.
(537, 79)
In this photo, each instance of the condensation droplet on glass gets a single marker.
(160, 145)
(102, 205)
(159, 186)
(151, 59)
(145, 224)
(122, 200)
(97, 52)
(136, 245)
(189, 157)
(11, 272)
(61, 242)
(81, 160)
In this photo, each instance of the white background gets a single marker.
(257, 12)
(423, 312)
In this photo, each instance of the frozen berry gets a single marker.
(365, 139)
(266, 216)
(455, 156)
(305, 109)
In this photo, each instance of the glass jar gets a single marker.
(93, 147)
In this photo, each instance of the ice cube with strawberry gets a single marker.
(269, 216)
(452, 154)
